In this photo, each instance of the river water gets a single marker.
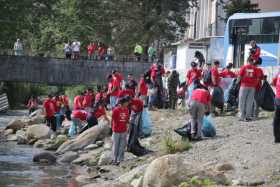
(18, 170)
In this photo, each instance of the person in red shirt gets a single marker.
(200, 104)
(78, 102)
(248, 77)
(193, 74)
(215, 74)
(227, 73)
(77, 117)
(49, 108)
(32, 104)
(143, 90)
(100, 94)
(90, 51)
(114, 86)
(126, 92)
(88, 100)
(255, 52)
(276, 119)
(120, 121)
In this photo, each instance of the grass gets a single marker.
(172, 146)
(197, 182)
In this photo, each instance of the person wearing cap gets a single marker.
(120, 121)
(193, 74)
(49, 110)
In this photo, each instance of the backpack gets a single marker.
(207, 77)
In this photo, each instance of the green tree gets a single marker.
(240, 6)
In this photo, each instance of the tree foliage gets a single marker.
(44, 25)
(240, 6)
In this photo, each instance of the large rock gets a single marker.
(40, 131)
(16, 125)
(8, 132)
(105, 158)
(37, 112)
(169, 170)
(107, 184)
(21, 137)
(39, 119)
(68, 157)
(44, 157)
(136, 173)
(12, 137)
(88, 137)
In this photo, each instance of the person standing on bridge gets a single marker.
(18, 48)
(67, 50)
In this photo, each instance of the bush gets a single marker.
(172, 146)
(198, 182)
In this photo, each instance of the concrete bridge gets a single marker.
(54, 71)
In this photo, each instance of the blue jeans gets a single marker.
(113, 101)
(58, 120)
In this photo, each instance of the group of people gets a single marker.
(95, 51)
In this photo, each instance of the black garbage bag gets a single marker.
(265, 97)
(185, 131)
(135, 132)
(218, 97)
(233, 93)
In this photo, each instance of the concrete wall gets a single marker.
(61, 71)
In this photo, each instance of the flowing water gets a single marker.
(18, 170)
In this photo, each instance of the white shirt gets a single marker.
(18, 46)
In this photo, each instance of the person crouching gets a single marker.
(120, 121)
(199, 105)
(77, 117)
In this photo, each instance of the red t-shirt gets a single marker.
(58, 104)
(249, 76)
(260, 76)
(193, 74)
(49, 106)
(201, 95)
(257, 54)
(119, 76)
(100, 112)
(90, 49)
(126, 92)
(143, 88)
(99, 96)
(78, 102)
(227, 74)
(80, 114)
(120, 119)
(88, 100)
(276, 83)
(154, 70)
(136, 105)
(216, 75)
(117, 84)
(65, 100)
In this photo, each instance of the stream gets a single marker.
(18, 170)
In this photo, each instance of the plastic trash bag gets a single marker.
(208, 128)
(265, 97)
(218, 97)
(184, 131)
(226, 84)
(146, 123)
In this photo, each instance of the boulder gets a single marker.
(44, 157)
(39, 119)
(86, 138)
(40, 131)
(43, 144)
(169, 170)
(105, 158)
(91, 147)
(59, 140)
(8, 132)
(12, 137)
(107, 184)
(37, 112)
(137, 182)
(68, 157)
(99, 143)
(21, 137)
(135, 173)
(15, 125)
(90, 158)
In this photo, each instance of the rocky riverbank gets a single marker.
(242, 154)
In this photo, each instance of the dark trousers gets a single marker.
(276, 122)
(51, 122)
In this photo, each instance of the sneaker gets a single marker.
(248, 119)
